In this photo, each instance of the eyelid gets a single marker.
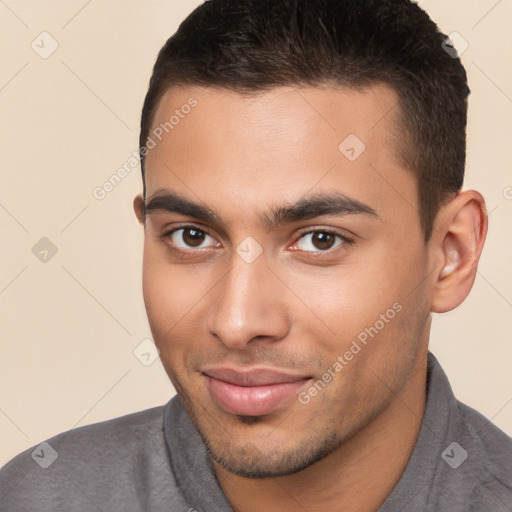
(332, 231)
(197, 227)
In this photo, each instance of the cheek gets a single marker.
(343, 301)
(376, 296)
(170, 293)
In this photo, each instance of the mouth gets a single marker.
(253, 392)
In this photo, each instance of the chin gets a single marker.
(246, 459)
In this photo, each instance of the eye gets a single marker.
(189, 237)
(322, 241)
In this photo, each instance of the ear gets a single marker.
(140, 209)
(458, 240)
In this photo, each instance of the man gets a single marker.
(302, 165)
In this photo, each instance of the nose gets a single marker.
(248, 305)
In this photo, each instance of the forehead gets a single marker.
(232, 150)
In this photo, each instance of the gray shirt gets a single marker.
(155, 461)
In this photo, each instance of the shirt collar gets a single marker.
(418, 477)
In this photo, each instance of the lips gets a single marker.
(253, 392)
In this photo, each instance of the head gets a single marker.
(304, 205)
(251, 47)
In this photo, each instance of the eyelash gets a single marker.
(346, 242)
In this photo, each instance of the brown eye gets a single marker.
(323, 241)
(319, 241)
(190, 237)
(193, 237)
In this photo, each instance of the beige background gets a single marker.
(68, 122)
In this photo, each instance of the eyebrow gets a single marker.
(315, 205)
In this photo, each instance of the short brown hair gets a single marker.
(251, 46)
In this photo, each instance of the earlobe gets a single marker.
(460, 237)
(139, 208)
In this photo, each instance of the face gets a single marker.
(284, 268)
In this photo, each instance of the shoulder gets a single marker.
(489, 444)
(82, 462)
(471, 458)
(491, 452)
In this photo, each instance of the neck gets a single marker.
(359, 475)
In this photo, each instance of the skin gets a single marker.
(300, 304)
